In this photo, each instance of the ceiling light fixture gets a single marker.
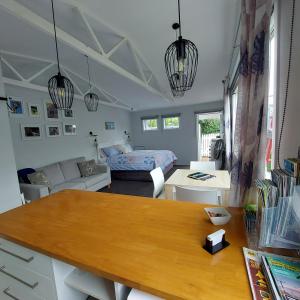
(60, 88)
(181, 61)
(91, 100)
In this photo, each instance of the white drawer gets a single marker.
(15, 293)
(26, 258)
(28, 281)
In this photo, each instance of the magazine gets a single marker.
(258, 284)
(284, 276)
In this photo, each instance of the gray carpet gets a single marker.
(136, 188)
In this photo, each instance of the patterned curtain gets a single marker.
(249, 147)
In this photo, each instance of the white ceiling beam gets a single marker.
(65, 69)
(40, 23)
(149, 79)
(91, 31)
(74, 83)
(12, 69)
(26, 56)
(40, 72)
(80, 4)
(115, 48)
(138, 63)
(28, 85)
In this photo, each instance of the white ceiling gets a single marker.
(147, 26)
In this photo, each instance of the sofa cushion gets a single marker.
(53, 173)
(92, 180)
(70, 168)
(68, 185)
(39, 178)
(87, 168)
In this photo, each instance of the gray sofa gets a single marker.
(66, 175)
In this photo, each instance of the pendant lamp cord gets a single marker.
(54, 25)
(179, 17)
(287, 84)
(88, 66)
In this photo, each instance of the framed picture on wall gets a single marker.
(52, 114)
(34, 110)
(31, 132)
(70, 129)
(15, 106)
(110, 125)
(68, 113)
(53, 130)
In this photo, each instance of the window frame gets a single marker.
(164, 117)
(145, 119)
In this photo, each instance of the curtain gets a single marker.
(227, 125)
(249, 147)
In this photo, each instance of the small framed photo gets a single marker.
(52, 114)
(68, 113)
(110, 125)
(31, 132)
(34, 110)
(70, 129)
(15, 106)
(53, 130)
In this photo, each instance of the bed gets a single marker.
(128, 164)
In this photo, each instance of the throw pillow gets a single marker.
(110, 151)
(127, 148)
(87, 168)
(40, 178)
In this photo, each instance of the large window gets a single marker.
(171, 121)
(271, 103)
(150, 124)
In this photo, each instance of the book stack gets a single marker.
(292, 167)
(284, 182)
(283, 277)
(272, 276)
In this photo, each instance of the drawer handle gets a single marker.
(28, 260)
(32, 286)
(6, 292)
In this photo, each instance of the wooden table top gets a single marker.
(221, 181)
(149, 244)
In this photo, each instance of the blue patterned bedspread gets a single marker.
(141, 160)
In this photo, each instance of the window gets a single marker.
(171, 121)
(150, 124)
(271, 104)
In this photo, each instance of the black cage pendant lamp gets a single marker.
(91, 100)
(181, 62)
(60, 88)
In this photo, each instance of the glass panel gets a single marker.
(270, 116)
(151, 124)
(171, 123)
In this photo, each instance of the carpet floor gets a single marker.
(136, 188)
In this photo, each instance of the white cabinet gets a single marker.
(27, 272)
(29, 275)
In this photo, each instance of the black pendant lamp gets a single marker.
(60, 88)
(181, 61)
(91, 100)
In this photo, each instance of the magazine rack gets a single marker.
(279, 225)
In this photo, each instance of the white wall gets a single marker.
(291, 135)
(182, 141)
(9, 187)
(51, 149)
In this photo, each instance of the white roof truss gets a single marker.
(143, 77)
(28, 83)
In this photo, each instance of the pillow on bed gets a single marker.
(125, 148)
(111, 151)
